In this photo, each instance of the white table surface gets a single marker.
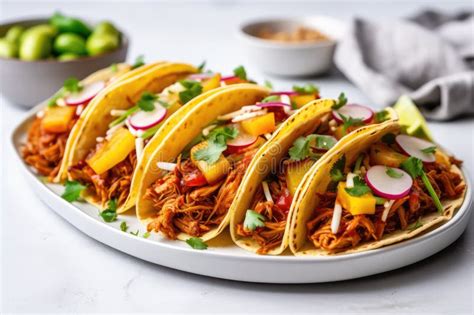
(49, 266)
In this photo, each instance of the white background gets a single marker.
(49, 266)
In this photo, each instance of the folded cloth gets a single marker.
(389, 59)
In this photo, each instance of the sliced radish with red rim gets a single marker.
(200, 76)
(240, 142)
(274, 104)
(87, 93)
(142, 120)
(228, 78)
(388, 182)
(413, 146)
(281, 110)
(288, 93)
(354, 111)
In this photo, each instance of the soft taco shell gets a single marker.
(318, 179)
(182, 129)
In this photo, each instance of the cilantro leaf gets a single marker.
(360, 188)
(380, 201)
(72, 85)
(124, 226)
(341, 101)
(268, 84)
(429, 150)
(393, 173)
(301, 148)
(135, 233)
(139, 61)
(73, 190)
(253, 220)
(114, 67)
(348, 121)
(201, 66)
(52, 101)
(211, 153)
(147, 101)
(192, 89)
(146, 234)
(222, 134)
(240, 73)
(110, 214)
(414, 167)
(306, 89)
(415, 225)
(382, 116)
(388, 138)
(271, 98)
(196, 243)
(325, 142)
(337, 170)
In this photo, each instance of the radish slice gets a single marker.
(288, 93)
(228, 78)
(386, 186)
(273, 104)
(413, 147)
(242, 140)
(88, 92)
(142, 120)
(200, 76)
(355, 111)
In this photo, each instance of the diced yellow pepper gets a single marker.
(364, 204)
(382, 154)
(56, 119)
(302, 100)
(259, 125)
(295, 173)
(212, 172)
(442, 159)
(211, 83)
(113, 151)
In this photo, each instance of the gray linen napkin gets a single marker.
(427, 62)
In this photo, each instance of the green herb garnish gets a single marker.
(216, 144)
(240, 73)
(337, 170)
(135, 233)
(271, 98)
(341, 101)
(124, 116)
(196, 243)
(146, 235)
(429, 150)
(253, 220)
(114, 67)
(72, 85)
(124, 226)
(415, 225)
(268, 84)
(382, 116)
(414, 167)
(380, 201)
(52, 101)
(73, 190)
(393, 173)
(110, 214)
(301, 148)
(358, 163)
(389, 138)
(348, 121)
(360, 187)
(139, 61)
(192, 89)
(306, 89)
(147, 101)
(201, 66)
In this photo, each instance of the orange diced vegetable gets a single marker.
(302, 100)
(382, 154)
(57, 118)
(211, 83)
(364, 204)
(295, 173)
(113, 151)
(259, 125)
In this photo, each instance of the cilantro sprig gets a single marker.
(360, 187)
(192, 89)
(240, 73)
(196, 243)
(306, 89)
(382, 116)
(415, 225)
(268, 84)
(202, 66)
(110, 214)
(123, 226)
(348, 121)
(70, 85)
(341, 101)
(337, 170)
(139, 61)
(73, 190)
(429, 150)
(216, 144)
(302, 146)
(147, 101)
(393, 173)
(253, 220)
(271, 98)
(414, 167)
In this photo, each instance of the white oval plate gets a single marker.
(224, 260)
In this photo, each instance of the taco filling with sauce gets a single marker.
(390, 187)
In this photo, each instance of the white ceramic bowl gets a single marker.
(292, 59)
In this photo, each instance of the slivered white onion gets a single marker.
(40, 114)
(266, 191)
(267, 136)
(99, 139)
(243, 110)
(387, 206)
(285, 99)
(336, 218)
(246, 116)
(60, 102)
(205, 131)
(166, 166)
(79, 110)
(139, 147)
(117, 112)
(132, 130)
(350, 180)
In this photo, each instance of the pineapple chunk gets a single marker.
(302, 100)
(259, 125)
(295, 173)
(113, 151)
(57, 118)
(212, 172)
(382, 154)
(442, 159)
(211, 83)
(364, 204)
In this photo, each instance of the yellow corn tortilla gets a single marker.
(123, 95)
(182, 129)
(318, 179)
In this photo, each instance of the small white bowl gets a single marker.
(292, 59)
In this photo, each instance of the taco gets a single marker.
(119, 134)
(376, 188)
(260, 217)
(56, 125)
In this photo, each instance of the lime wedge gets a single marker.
(411, 119)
